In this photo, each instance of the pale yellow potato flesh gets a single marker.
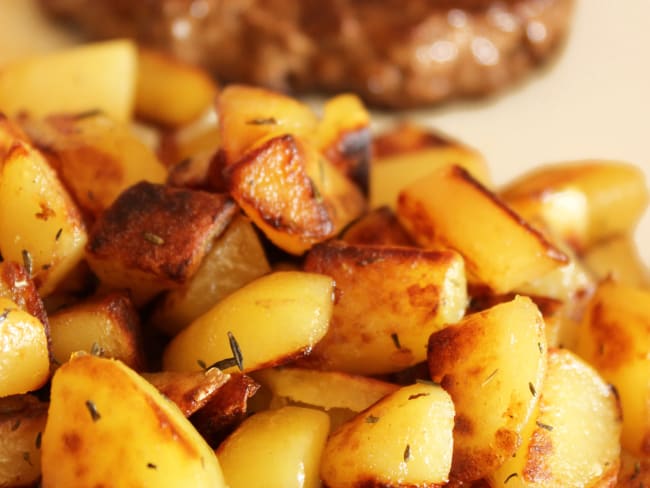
(492, 364)
(40, 222)
(24, 355)
(274, 319)
(614, 337)
(100, 76)
(403, 440)
(449, 208)
(275, 449)
(96, 403)
(619, 259)
(572, 440)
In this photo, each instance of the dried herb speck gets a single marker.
(490, 377)
(37, 442)
(153, 238)
(15, 425)
(236, 351)
(543, 426)
(532, 389)
(94, 413)
(27, 262)
(371, 419)
(262, 121)
(5, 314)
(395, 338)
(540, 347)
(58, 234)
(27, 458)
(417, 395)
(510, 476)
(152, 466)
(407, 453)
(201, 363)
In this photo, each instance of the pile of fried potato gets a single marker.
(221, 287)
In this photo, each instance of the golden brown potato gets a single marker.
(404, 440)
(154, 237)
(343, 137)
(41, 226)
(24, 353)
(389, 300)
(581, 202)
(573, 438)
(236, 258)
(293, 194)
(107, 326)
(22, 419)
(492, 364)
(377, 227)
(99, 76)
(614, 338)
(407, 152)
(284, 446)
(634, 473)
(189, 391)
(274, 319)
(449, 208)
(169, 91)
(617, 258)
(96, 157)
(249, 115)
(17, 286)
(96, 403)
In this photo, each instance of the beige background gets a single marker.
(592, 102)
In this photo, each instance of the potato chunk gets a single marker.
(573, 438)
(99, 76)
(390, 299)
(24, 354)
(501, 251)
(41, 226)
(284, 445)
(16, 285)
(614, 338)
(404, 440)
(107, 326)
(582, 202)
(492, 364)
(154, 237)
(97, 403)
(274, 319)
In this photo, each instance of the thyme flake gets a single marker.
(510, 476)
(532, 389)
(152, 466)
(37, 442)
(58, 234)
(27, 262)
(153, 238)
(407, 453)
(236, 351)
(371, 419)
(262, 121)
(417, 395)
(94, 413)
(27, 458)
(396, 341)
(544, 426)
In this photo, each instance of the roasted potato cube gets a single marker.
(582, 202)
(407, 152)
(343, 137)
(293, 194)
(492, 364)
(154, 237)
(341, 395)
(96, 403)
(107, 326)
(403, 440)
(573, 438)
(249, 115)
(389, 301)
(449, 208)
(274, 319)
(236, 258)
(617, 258)
(189, 391)
(169, 91)
(614, 338)
(22, 419)
(226, 410)
(378, 227)
(16, 285)
(41, 226)
(96, 157)
(24, 354)
(284, 445)
(100, 76)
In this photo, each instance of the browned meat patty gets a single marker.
(394, 53)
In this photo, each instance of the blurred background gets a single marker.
(592, 101)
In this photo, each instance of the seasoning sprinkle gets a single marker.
(407, 453)
(262, 121)
(94, 414)
(395, 338)
(153, 238)
(510, 476)
(371, 419)
(88, 113)
(58, 234)
(5, 314)
(540, 347)
(15, 425)
(490, 377)
(201, 363)
(417, 395)
(152, 466)
(27, 458)
(37, 442)
(544, 426)
(236, 351)
(532, 389)
(27, 262)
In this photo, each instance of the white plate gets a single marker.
(592, 102)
